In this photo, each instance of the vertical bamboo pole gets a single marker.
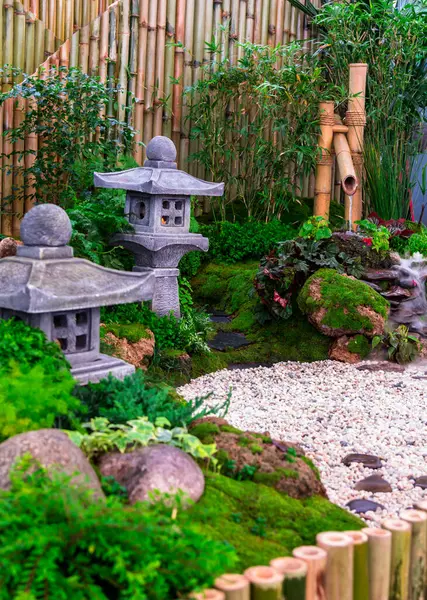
(400, 557)
(169, 68)
(315, 559)
(294, 573)
(84, 48)
(250, 18)
(160, 67)
(178, 76)
(322, 192)
(150, 72)
(271, 32)
(379, 560)
(18, 160)
(123, 57)
(279, 26)
(38, 45)
(112, 57)
(68, 19)
(209, 32)
(266, 583)
(188, 61)
(360, 565)
(417, 577)
(264, 21)
(287, 22)
(51, 16)
(339, 565)
(217, 34)
(257, 21)
(8, 42)
(234, 29)
(356, 120)
(235, 587)
(31, 145)
(241, 35)
(94, 46)
(42, 13)
(59, 20)
(140, 79)
(8, 168)
(133, 58)
(30, 34)
(226, 13)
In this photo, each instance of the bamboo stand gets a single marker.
(266, 583)
(360, 565)
(355, 119)
(235, 587)
(315, 559)
(400, 558)
(208, 595)
(322, 191)
(417, 577)
(379, 562)
(294, 571)
(339, 565)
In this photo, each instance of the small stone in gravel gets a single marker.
(421, 482)
(367, 460)
(363, 506)
(225, 339)
(383, 365)
(374, 484)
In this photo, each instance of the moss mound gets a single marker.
(260, 522)
(339, 305)
(134, 332)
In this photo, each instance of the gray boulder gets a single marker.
(51, 448)
(161, 468)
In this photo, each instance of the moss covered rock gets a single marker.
(133, 343)
(247, 454)
(350, 350)
(339, 305)
(260, 522)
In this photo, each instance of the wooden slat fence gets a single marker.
(131, 40)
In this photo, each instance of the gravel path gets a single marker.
(333, 409)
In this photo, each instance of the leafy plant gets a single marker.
(260, 527)
(106, 437)
(378, 235)
(316, 228)
(283, 273)
(111, 487)
(65, 109)
(58, 542)
(418, 243)
(31, 398)
(26, 345)
(246, 473)
(238, 112)
(402, 347)
(291, 455)
(234, 242)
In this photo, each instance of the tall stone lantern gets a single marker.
(158, 207)
(45, 286)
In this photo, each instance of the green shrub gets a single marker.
(59, 543)
(283, 273)
(134, 397)
(29, 346)
(418, 243)
(234, 242)
(138, 433)
(30, 398)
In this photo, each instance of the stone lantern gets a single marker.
(45, 286)
(158, 207)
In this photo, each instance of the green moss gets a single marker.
(312, 466)
(265, 438)
(230, 429)
(271, 479)
(341, 296)
(222, 456)
(205, 432)
(133, 333)
(359, 345)
(289, 473)
(289, 522)
(255, 449)
(243, 441)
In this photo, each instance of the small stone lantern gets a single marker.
(45, 286)
(158, 207)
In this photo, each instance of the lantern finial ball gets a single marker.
(46, 225)
(161, 148)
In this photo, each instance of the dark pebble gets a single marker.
(363, 506)
(367, 460)
(374, 484)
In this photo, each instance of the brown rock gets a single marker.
(161, 468)
(381, 275)
(275, 466)
(367, 460)
(8, 247)
(339, 351)
(382, 365)
(51, 448)
(137, 354)
(376, 319)
(397, 293)
(374, 484)
(421, 482)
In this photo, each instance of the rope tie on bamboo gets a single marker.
(325, 159)
(355, 118)
(327, 120)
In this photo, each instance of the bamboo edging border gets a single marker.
(386, 563)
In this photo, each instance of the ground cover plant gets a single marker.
(59, 542)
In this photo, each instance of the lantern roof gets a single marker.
(159, 175)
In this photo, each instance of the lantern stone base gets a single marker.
(101, 367)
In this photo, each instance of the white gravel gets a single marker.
(333, 409)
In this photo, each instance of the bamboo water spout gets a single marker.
(322, 192)
(349, 179)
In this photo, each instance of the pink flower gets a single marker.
(414, 283)
(367, 241)
(282, 301)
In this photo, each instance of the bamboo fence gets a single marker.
(388, 563)
(154, 48)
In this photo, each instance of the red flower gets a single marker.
(282, 301)
(367, 241)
